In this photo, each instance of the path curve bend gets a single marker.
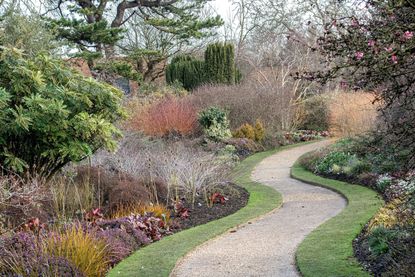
(266, 247)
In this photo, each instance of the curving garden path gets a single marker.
(267, 246)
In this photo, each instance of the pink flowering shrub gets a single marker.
(375, 51)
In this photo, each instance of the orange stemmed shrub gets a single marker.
(171, 115)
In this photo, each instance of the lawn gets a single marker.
(328, 250)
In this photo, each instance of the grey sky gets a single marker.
(222, 7)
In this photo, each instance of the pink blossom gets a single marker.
(408, 35)
(371, 43)
(359, 55)
(394, 59)
(355, 23)
(388, 49)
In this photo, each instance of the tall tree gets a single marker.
(95, 26)
(376, 51)
(28, 33)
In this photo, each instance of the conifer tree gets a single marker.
(95, 26)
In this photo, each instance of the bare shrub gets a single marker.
(21, 199)
(184, 169)
(170, 115)
(268, 94)
(114, 188)
(128, 192)
(352, 113)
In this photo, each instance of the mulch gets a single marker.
(237, 198)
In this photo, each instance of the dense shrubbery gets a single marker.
(382, 245)
(186, 70)
(305, 135)
(217, 68)
(248, 102)
(315, 113)
(373, 50)
(50, 115)
(215, 123)
(220, 63)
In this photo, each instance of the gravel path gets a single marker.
(266, 247)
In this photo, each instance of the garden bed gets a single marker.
(385, 246)
(236, 198)
(159, 259)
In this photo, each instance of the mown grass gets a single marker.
(159, 259)
(328, 250)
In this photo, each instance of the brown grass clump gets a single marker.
(171, 115)
(128, 192)
(352, 113)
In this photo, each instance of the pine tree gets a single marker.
(95, 31)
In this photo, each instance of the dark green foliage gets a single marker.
(51, 115)
(332, 160)
(238, 76)
(122, 68)
(95, 26)
(212, 116)
(186, 70)
(379, 240)
(87, 35)
(215, 123)
(28, 33)
(220, 63)
(218, 67)
(316, 114)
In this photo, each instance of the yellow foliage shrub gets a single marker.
(248, 131)
(87, 253)
(259, 130)
(159, 211)
(245, 131)
(387, 216)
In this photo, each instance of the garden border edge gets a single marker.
(362, 203)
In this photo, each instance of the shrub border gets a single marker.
(328, 250)
(160, 258)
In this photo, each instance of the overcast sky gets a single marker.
(222, 6)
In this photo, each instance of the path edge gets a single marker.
(299, 173)
(131, 265)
